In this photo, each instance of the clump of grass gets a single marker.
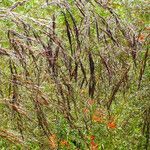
(75, 82)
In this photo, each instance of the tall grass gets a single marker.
(77, 79)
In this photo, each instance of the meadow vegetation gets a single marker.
(74, 74)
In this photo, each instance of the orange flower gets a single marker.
(111, 125)
(141, 38)
(93, 146)
(53, 141)
(64, 143)
(96, 118)
(92, 137)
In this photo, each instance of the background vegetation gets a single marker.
(74, 74)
